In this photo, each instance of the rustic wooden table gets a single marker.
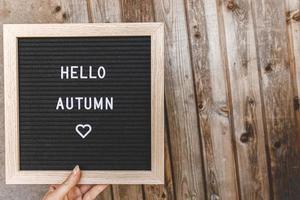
(232, 76)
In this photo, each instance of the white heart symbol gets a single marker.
(83, 126)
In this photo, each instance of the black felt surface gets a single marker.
(120, 138)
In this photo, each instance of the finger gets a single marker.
(68, 184)
(85, 188)
(55, 185)
(94, 191)
(74, 193)
(50, 190)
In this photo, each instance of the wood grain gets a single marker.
(104, 11)
(73, 11)
(277, 92)
(293, 27)
(212, 100)
(180, 102)
(246, 100)
(130, 192)
(84, 29)
(135, 11)
(293, 18)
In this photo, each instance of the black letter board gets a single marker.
(84, 94)
(86, 101)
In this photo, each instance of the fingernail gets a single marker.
(76, 170)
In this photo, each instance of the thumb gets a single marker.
(63, 189)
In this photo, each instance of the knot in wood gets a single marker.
(277, 144)
(244, 137)
(201, 105)
(268, 67)
(231, 5)
(296, 16)
(251, 101)
(65, 16)
(57, 8)
(293, 15)
(224, 111)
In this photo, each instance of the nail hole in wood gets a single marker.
(251, 101)
(268, 68)
(197, 35)
(201, 105)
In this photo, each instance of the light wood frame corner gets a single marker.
(11, 33)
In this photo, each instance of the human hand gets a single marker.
(69, 190)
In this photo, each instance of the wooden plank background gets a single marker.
(232, 88)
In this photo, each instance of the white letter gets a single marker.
(97, 104)
(79, 102)
(81, 73)
(64, 72)
(90, 103)
(91, 73)
(109, 103)
(67, 103)
(59, 104)
(101, 69)
(74, 73)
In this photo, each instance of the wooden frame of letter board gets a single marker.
(11, 32)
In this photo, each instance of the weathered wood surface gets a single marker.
(212, 99)
(293, 24)
(276, 89)
(232, 88)
(246, 104)
(180, 102)
(293, 19)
